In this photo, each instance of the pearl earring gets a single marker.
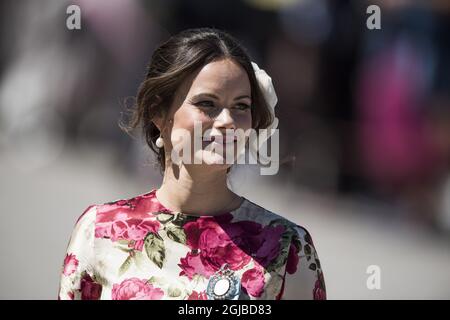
(160, 142)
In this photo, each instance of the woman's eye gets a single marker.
(205, 104)
(243, 106)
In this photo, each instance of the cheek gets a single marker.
(183, 130)
(244, 121)
(186, 117)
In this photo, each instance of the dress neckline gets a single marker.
(152, 193)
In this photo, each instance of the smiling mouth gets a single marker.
(220, 140)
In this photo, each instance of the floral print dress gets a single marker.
(138, 249)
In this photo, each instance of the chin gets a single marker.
(215, 160)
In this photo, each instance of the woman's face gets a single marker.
(216, 99)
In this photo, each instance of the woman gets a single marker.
(193, 238)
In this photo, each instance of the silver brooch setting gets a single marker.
(224, 285)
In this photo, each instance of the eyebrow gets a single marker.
(216, 97)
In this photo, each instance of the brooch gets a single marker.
(224, 285)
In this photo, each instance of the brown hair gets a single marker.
(171, 63)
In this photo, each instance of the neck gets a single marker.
(196, 191)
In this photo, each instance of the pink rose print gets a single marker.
(197, 296)
(90, 290)
(253, 281)
(135, 289)
(319, 292)
(137, 245)
(70, 295)
(308, 238)
(127, 220)
(268, 244)
(70, 264)
(292, 260)
(215, 241)
(194, 264)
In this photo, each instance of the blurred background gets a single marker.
(364, 130)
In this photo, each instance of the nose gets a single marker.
(225, 120)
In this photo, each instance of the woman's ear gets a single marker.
(158, 118)
(158, 121)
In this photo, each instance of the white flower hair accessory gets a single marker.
(265, 82)
(266, 86)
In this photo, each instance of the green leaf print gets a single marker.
(154, 247)
(180, 219)
(285, 243)
(152, 280)
(176, 233)
(174, 291)
(126, 250)
(307, 249)
(280, 261)
(297, 243)
(318, 263)
(125, 266)
(157, 281)
(164, 217)
(284, 251)
(98, 278)
(139, 258)
(278, 222)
